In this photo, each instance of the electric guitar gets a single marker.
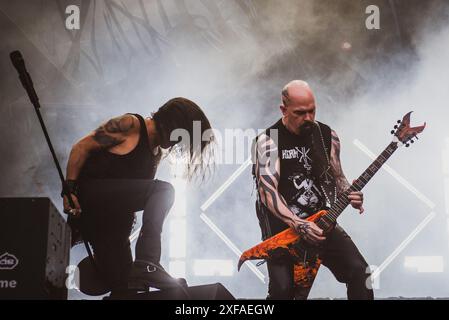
(306, 257)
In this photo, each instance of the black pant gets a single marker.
(108, 214)
(343, 259)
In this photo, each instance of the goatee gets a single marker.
(306, 129)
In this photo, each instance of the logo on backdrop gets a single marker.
(8, 261)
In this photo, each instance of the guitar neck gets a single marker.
(342, 201)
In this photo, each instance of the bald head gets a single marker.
(297, 92)
(298, 105)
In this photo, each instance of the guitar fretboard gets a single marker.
(342, 201)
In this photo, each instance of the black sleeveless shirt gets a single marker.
(140, 163)
(298, 183)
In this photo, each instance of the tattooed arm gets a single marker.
(110, 134)
(268, 175)
(342, 183)
(340, 179)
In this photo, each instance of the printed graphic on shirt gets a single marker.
(299, 153)
(307, 198)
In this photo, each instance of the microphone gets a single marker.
(27, 83)
(17, 61)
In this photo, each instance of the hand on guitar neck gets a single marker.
(356, 198)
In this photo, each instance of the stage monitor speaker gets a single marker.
(34, 249)
(214, 291)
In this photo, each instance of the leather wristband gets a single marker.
(69, 187)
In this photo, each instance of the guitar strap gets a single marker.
(321, 143)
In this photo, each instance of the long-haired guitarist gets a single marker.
(111, 175)
(298, 172)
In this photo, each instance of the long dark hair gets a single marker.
(182, 113)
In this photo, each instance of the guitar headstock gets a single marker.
(404, 133)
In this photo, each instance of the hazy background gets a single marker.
(232, 57)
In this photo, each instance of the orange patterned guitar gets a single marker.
(289, 243)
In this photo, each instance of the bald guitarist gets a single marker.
(298, 172)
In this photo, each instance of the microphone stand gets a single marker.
(27, 83)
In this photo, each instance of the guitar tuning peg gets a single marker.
(411, 141)
(395, 127)
(392, 132)
(399, 121)
(407, 145)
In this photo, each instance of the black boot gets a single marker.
(145, 275)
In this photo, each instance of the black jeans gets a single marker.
(108, 214)
(342, 258)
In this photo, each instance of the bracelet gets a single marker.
(69, 187)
